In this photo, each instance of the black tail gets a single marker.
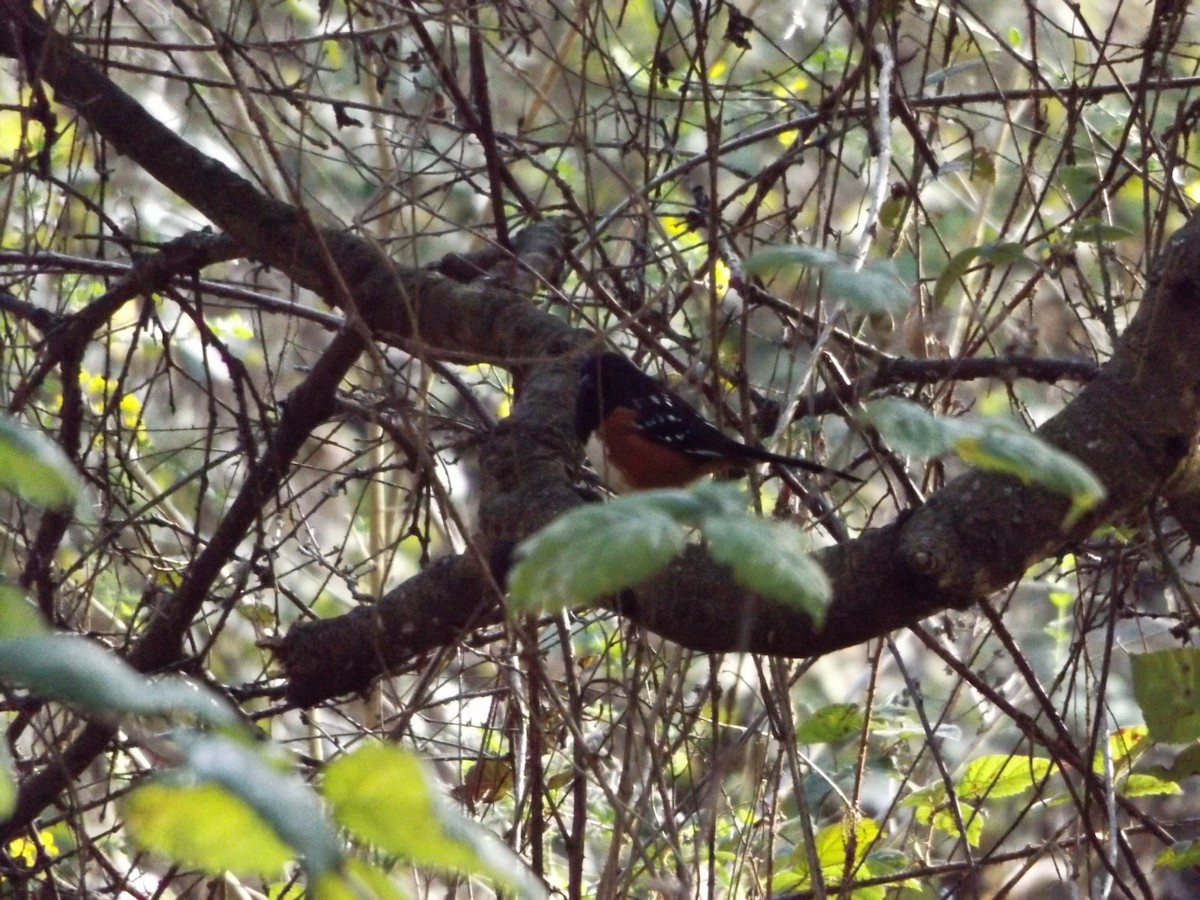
(797, 462)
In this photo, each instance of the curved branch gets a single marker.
(394, 304)
(895, 370)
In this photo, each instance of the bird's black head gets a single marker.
(606, 380)
(589, 402)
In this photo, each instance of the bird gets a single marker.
(639, 435)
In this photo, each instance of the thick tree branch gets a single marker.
(1132, 424)
(892, 371)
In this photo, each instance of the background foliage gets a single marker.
(788, 208)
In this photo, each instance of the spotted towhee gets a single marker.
(639, 435)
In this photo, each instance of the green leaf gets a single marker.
(598, 549)
(388, 798)
(776, 258)
(8, 783)
(1000, 775)
(203, 825)
(1125, 746)
(1061, 600)
(594, 551)
(1180, 856)
(883, 862)
(1145, 784)
(1094, 231)
(929, 797)
(943, 820)
(953, 271)
(992, 445)
(1002, 447)
(1002, 254)
(831, 724)
(983, 168)
(335, 886)
(911, 429)
(956, 268)
(358, 879)
(769, 559)
(708, 498)
(1166, 685)
(1186, 764)
(1079, 182)
(381, 792)
(889, 211)
(840, 848)
(283, 801)
(875, 288)
(35, 469)
(79, 671)
(932, 807)
(18, 617)
(487, 780)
